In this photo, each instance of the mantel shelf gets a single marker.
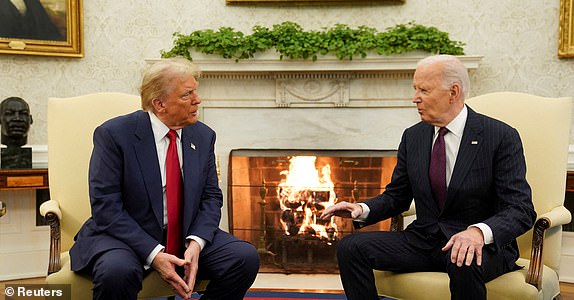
(400, 63)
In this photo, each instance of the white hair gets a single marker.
(453, 71)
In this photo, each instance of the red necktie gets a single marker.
(174, 195)
(437, 169)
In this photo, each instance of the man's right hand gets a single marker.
(343, 209)
(165, 265)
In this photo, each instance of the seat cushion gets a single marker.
(434, 285)
(153, 285)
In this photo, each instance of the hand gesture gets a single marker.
(165, 265)
(343, 209)
(191, 257)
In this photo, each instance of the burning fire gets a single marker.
(303, 195)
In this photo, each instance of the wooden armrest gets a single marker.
(556, 217)
(52, 213)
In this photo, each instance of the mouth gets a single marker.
(17, 128)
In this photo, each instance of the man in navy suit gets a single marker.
(124, 237)
(488, 202)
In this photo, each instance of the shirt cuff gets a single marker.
(486, 232)
(199, 240)
(365, 214)
(152, 255)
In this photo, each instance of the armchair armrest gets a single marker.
(50, 210)
(558, 216)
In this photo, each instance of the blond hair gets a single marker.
(158, 79)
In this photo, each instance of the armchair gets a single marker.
(71, 122)
(544, 126)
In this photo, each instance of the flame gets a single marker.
(303, 194)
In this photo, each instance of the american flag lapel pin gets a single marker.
(192, 146)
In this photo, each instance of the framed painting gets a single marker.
(566, 29)
(310, 1)
(41, 27)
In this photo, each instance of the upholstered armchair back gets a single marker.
(71, 123)
(544, 126)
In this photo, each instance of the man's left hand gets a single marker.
(465, 246)
(191, 257)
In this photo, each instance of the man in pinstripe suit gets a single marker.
(488, 203)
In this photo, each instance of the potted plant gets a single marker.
(291, 41)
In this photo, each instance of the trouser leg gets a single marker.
(117, 274)
(230, 269)
(359, 253)
(468, 282)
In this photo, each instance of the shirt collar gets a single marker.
(456, 126)
(159, 128)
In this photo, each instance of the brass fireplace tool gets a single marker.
(262, 248)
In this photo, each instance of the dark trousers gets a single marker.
(230, 269)
(359, 253)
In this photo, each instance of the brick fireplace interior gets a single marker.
(275, 198)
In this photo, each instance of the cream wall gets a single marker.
(517, 38)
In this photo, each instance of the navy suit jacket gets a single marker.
(126, 192)
(488, 185)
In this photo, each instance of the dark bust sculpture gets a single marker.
(15, 120)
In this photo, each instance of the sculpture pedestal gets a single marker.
(16, 158)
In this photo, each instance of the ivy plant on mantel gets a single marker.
(291, 41)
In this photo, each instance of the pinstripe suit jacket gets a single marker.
(488, 184)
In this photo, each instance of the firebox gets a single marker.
(275, 198)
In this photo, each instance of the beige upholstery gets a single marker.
(71, 122)
(544, 126)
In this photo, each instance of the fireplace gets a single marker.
(275, 198)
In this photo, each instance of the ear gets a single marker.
(157, 105)
(455, 92)
(31, 120)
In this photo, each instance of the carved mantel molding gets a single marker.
(327, 82)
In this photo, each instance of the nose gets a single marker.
(416, 97)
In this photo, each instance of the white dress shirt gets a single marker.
(161, 143)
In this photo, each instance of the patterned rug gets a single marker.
(290, 296)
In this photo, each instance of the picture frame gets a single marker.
(311, 2)
(59, 31)
(566, 29)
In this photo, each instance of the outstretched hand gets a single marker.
(165, 265)
(343, 209)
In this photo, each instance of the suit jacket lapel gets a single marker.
(146, 151)
(469, 146)
(190, 144)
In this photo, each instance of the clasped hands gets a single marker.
(464, 246)
(165, 264)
